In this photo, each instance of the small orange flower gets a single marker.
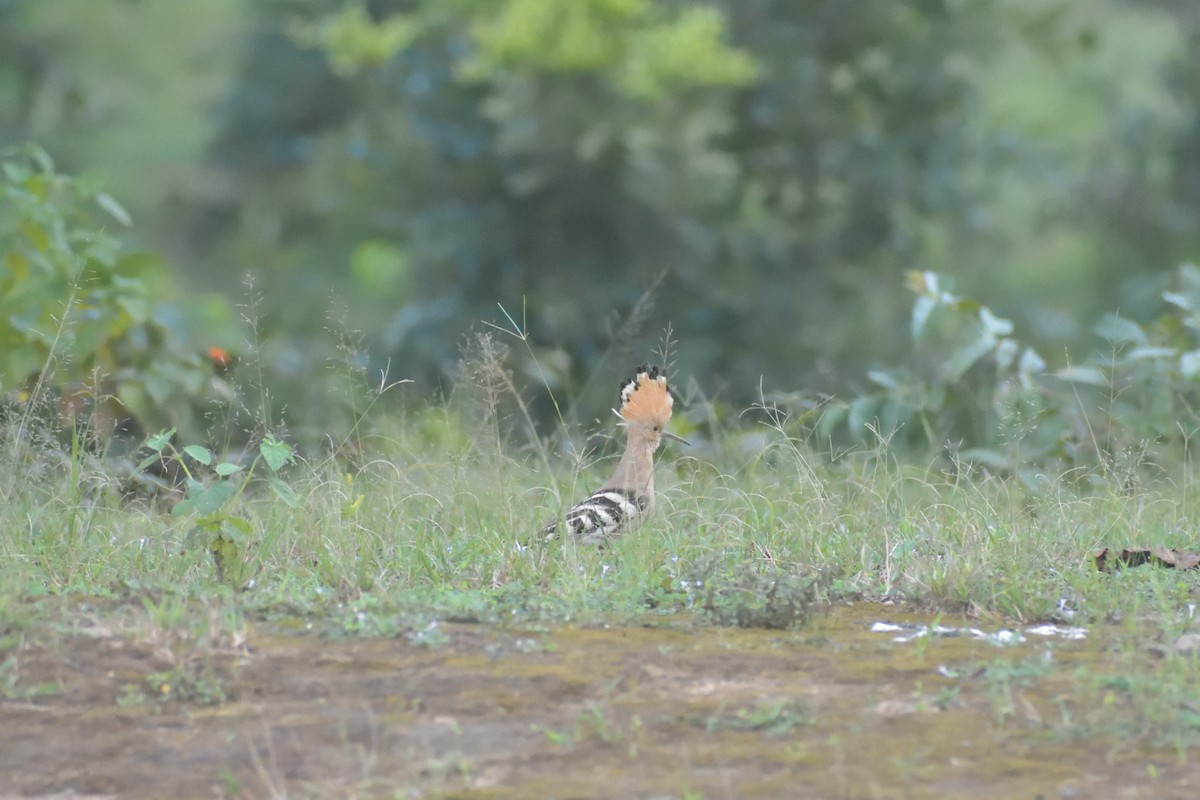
(220, 357)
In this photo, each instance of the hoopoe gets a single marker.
(646, 403)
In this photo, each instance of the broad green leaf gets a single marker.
(1093, 376)
(225, 469)
(236, 528)
(832, 415)
(201, 454)
(884, 378)
(159, 440)
(1178, 299)
(894, 412)
(275, 452)
(284, 492)
(965, 357)
(922, 309)
(114, 209)
(1118, 329)
(207, 501)
(862, 412)
(215, 496)
(1143, 353)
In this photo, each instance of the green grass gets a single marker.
(439, 521)
(434, 518)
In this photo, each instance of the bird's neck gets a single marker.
(635, 470)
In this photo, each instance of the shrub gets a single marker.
(81, 322)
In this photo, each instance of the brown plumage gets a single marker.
(646, 404)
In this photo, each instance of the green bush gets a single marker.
(81, 319)
(975, 390)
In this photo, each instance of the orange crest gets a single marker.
(646, 400)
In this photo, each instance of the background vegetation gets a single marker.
(333, 183)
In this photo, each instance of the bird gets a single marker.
(645, 410)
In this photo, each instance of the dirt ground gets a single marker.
(830, 711)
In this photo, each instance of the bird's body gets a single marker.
(645, 410)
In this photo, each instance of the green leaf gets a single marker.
(114, 209)
(1178, 299)
(1143, 353)
(1120, 330)
(894, 412)
(885, 379)
(237, 528)
(207, 501)
(203, 531)
(1093, 376)
(275, 452)
(993, 325)
(225, 469)
(201, 454)
(160, 440)
(922, 309)
(832, 415)
(284, 492)
(148, 460)
(216, 496)
(964, 357)
(862, 411)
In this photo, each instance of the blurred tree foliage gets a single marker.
(570, 151)
(780, 166)
(784, 164)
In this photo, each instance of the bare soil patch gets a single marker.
(829, 711)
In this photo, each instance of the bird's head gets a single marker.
(646, 403)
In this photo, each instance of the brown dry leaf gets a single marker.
(1171, 558)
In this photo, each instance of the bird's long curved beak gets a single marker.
(679, 439)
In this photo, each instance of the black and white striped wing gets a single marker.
(603, 514)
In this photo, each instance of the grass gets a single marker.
(443, 519)
(431, 518)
